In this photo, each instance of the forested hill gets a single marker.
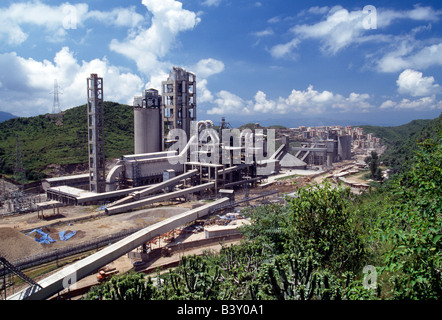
(47, 139)
(401, 140)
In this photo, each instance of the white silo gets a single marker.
(147, 122)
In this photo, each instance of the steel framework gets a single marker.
(95, 112)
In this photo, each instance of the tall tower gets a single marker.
(95, 122)
(179, 102)
(56, 106)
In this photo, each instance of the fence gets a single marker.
(70, 250)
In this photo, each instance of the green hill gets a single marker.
(48, 139)
(401, 140)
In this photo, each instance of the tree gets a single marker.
(412, 228)
(373, 164)
(132, 286)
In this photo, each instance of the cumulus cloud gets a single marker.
(36, 78)
(229, 103)
(149, 45)
(207, 67)
(412, 82)
(421, 104)
(309, 101)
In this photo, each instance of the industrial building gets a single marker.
(175, 152)
(162, 160)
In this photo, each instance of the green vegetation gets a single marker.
(44, 142)
(401, 140)
(321, 246)
(373, 164)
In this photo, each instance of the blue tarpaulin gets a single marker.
(44, 237)
(66, 236)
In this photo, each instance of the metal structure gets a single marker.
(147, 122)
(8, 268)
(95, 113)
(56, 106)
(179, 102)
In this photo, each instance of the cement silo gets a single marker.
(147, 122)
(344, 147)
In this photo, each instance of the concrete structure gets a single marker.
(344, 147)
(95, 122)
(147, 122)
(219, 231)
(69, 275)
(179, 102)
(78, 181)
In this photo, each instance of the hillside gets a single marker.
(401, 140)
(48, 139)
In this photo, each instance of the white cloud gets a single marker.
(411, 55)
(386, 17)
(282, 50)
(29, 82)
(121, 17)
(312, 101)
(204, 95)
(341, 28)
(264, 33)
(229, 103)
(148, 45)
(412, 82)
(52, 18)
(309, 101)
(207, 67)
(56, 20)
(211, 3)
(421, 104)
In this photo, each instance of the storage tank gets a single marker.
(147, 122)
(344, 147)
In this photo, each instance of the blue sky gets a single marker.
(256, 61)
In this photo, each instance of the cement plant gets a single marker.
(181, 192)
